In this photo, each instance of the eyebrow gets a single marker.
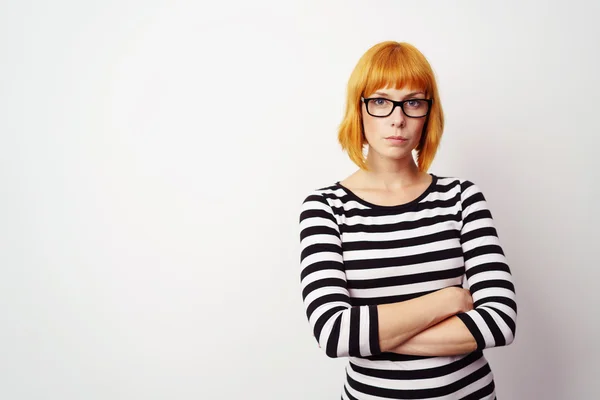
(387, 95)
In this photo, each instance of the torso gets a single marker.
(359, 254)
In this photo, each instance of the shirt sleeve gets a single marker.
(341, 330)
(492, 322)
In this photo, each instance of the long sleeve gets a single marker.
(340, 329)
(492, 322)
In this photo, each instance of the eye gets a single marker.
(415, 103)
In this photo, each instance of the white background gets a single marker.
(154, 155)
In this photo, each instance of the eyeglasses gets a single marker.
(413, 108)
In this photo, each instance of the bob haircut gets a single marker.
(395, 65)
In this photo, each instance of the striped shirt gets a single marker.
(356, 255)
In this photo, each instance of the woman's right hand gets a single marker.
(461, 299)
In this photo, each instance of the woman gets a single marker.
(385, 251)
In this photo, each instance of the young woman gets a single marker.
(385, 251)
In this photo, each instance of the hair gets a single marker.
(393, 65)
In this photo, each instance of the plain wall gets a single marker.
(154, 155)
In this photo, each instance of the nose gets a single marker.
(397, 117)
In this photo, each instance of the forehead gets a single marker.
(397, 93)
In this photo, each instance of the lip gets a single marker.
(397, 139)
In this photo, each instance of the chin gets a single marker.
(394, 154)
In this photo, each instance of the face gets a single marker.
(381, 132)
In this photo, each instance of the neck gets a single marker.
(391, 174)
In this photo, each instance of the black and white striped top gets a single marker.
(356, 255)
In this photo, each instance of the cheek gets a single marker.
(417, 125)
(373, 125)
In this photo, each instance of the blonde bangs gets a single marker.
(397, 68)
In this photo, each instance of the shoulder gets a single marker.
(317, 208)
(464, 184)
(321, 194)
(321, 198)
(471, 195)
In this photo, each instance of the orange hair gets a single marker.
(393, 65)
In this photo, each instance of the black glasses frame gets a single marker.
(395, 104)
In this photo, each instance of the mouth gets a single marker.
(397, 138)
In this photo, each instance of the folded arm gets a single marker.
(448, 338)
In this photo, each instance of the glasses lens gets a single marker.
(416, 108)
(380, 107)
